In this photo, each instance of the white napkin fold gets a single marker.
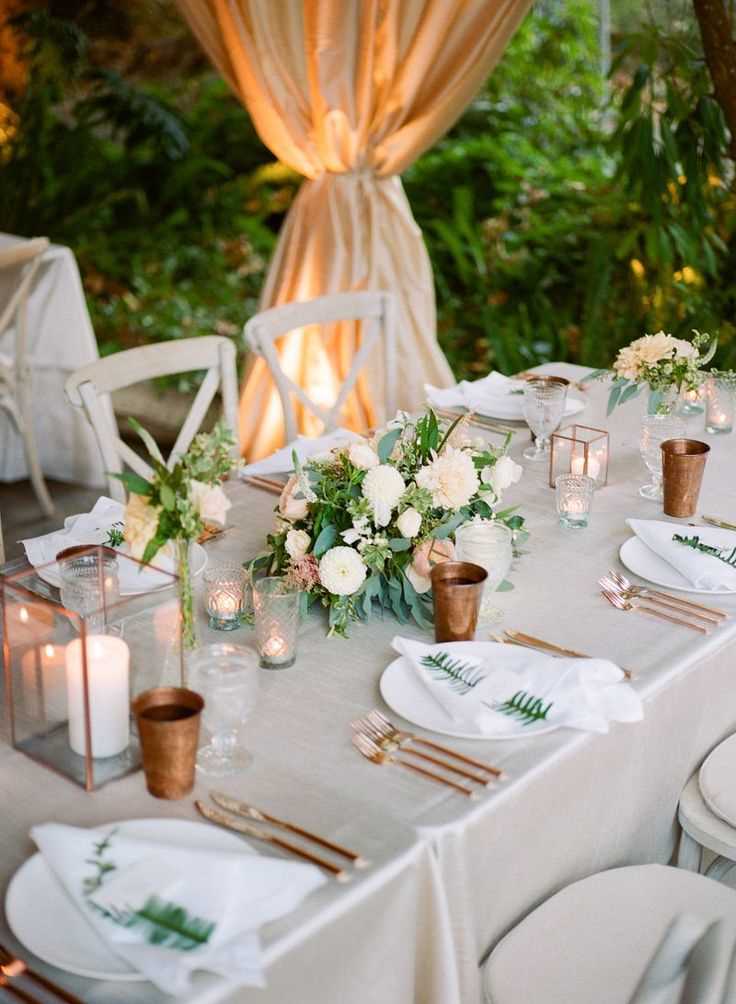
(586, 694)
(703, 571)
(92, 528)
(281, 462)
(112, 879)
(473, 394)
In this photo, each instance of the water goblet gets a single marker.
(655, 429)
(227, 678)
(544, 406)
(89, 582)
(487, 543)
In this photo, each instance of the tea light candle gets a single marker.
(574, 498)
(275, 647)
(225, 596)
(578, 466)
(43, 672)
(719, 412)
(108, 661)
(28, 624)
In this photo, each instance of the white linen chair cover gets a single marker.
(16, 394)
(87, 386)
(702, 828)
(592, 941)
(711, 977)
(377, 311)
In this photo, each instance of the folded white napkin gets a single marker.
(703, 571)
(92, 528)
(661, 981)
(169, 910)
(473, 394)
(583, 693)
(281, 462)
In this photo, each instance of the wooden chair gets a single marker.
(16, 394)
(378, 312)
(212, 353)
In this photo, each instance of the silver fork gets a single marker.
(616, 600)
(389, 741)
(645, 592)
(367, 748)
(629, 592)
(388, 725)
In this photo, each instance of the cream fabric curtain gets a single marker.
(349, 93)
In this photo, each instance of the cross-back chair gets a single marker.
(88, 385)
(377, 311)
(16, 394)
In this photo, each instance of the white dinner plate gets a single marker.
(642, 561)
(406, 695)
(135, 580)
(44, 919)
(511, 407)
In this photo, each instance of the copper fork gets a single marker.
(11, 966)
(710, 613)
(371, 751)
(616, 600)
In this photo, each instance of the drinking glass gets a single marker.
(544, 406)
(487, 543)
(276, 614)
(655, 429)
(719, 408)
(227, 678)
(574, 498)
(225, 595)
(89, 583)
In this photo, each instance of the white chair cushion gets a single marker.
(590, 943)
(716, 780)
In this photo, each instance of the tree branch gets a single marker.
(719, 46)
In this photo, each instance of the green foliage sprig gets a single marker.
(526, 707)
(461, 676)
(725, 554)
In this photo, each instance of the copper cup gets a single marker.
(457, 590)
(168, 726)
(683, 462)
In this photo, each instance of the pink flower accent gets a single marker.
(304, 573)
(428, 554)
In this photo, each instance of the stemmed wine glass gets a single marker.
(227, 678)
(544, 406)
(655, 429)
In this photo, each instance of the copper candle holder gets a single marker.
(579, 450)
(168, 721)
(457, 590)
(683, 463)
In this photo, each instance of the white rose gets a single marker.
(504, 473)
(141, 521)
(297, 544)
(383, 486)
(363, 456)
(409, 522)
(211, 502)
(342, 571)
(451, 479)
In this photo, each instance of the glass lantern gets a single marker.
(70, 674)
(579, 450)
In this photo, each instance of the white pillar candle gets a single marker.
(108, 660)
(578, 466)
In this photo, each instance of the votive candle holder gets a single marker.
(719, 406)
(225, 595)
(276, 617)
(574, 495)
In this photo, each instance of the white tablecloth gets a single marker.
(61, 340)
(573, 803)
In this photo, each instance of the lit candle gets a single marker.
(28, 623)
(275, 646)
(44, 681)
(578, 466)
(108, 660)
(225, 604)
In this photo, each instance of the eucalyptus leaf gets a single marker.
(168, 498)
(133, 482)
(325, 540)
(148, 440)
(504, 586)
(387, 443)
(399, 544)
(449, 526)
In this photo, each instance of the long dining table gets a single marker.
(449, 876)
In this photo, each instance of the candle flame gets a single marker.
(23, 615)
(49, 650)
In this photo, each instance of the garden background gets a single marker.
(570, 210)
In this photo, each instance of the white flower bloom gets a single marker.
(383, 486)
(451, 479)
(504, 473)
(297, 544)
(141, 520)
(409, 522)
(351, 536)
(291, 507)
(210, 501)
(361, 455)
(342, 571)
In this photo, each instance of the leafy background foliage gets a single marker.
(581, 212)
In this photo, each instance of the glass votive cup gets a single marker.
(225, 588)
(89, 582)
(276, 617)
(719, 406)
(488, 543)
(574, 495)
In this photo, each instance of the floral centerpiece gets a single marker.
(168, 512)
(364, 524)
(667, 365)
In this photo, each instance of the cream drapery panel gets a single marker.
(349, 93)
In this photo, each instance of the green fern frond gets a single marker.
(526, 707)
(165, 924)
(461, 676)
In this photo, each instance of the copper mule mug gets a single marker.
(683, 462)
(168, 721)
(457, 590)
